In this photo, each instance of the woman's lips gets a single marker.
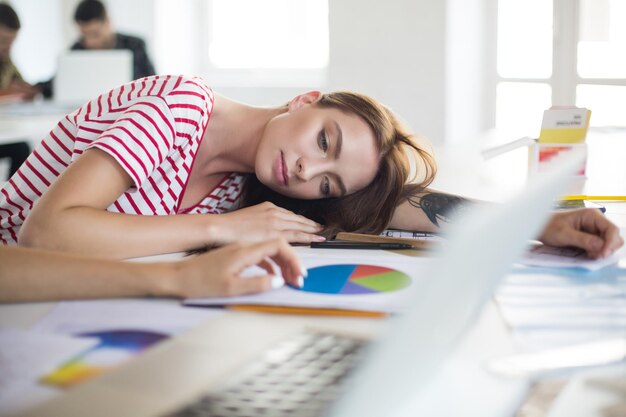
(281, 170)
(285, 171)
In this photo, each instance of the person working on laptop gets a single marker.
(120, 177)
(11, 82)
(97, 34)
(34, 275)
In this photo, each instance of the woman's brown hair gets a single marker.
(370, 209)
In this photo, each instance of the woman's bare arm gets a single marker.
(587, 228)
(71, 216)
(427, 211)
(35, 275)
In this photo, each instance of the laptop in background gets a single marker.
(83, 75)
(198, 374)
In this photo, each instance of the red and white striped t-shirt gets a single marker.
(152, 127)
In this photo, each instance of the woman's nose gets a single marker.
(301, 170)
(307, 169)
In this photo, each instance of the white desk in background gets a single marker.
(29, 121)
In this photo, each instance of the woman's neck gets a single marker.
(232, 137)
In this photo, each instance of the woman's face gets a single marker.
(311, 152)
(7, 37)
(97, 34)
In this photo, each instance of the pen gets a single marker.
(341, 244)
(595, 197)
(306, 310)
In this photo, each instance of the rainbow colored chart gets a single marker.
(354, 279)
(115, 347)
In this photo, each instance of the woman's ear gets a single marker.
(304, 99)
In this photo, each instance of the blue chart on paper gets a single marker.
(354, 279)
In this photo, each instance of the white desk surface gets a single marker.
(463, 379)
(489, 337)
(29, 121)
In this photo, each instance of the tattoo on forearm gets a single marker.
(438, 207)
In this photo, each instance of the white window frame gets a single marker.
(564, 79)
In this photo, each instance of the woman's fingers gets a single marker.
(586, 228)
(276, 249)
(294, 221)
(596, 223)
(255, 284)
(269, 266)
(301, 237)
(265, 221)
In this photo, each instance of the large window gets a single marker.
(243, 42)
(269, 34)
(560, 52)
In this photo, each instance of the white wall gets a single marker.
(422, 58)
(40, 38)
(466, 71)
(393, 50)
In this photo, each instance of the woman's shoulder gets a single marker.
(191, 93)
(177, 91)
(195, 85)
(166, 84)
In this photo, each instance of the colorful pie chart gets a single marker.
(354, 279)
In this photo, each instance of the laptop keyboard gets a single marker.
(299, 376)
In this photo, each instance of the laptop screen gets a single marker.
(83, 75)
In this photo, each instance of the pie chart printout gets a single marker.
(354, 279)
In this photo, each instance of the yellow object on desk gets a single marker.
(564, 125)
(563, 129)
(595, 197)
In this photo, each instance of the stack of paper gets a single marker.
(558, 307)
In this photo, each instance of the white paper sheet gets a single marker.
(163, 316)
(19, 388)
(553, 308)
(27, 355)
(551, 257)
(383, 302)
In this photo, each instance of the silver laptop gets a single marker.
(238, 365)
(83, 75)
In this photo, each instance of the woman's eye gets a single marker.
(326, 187)
(322, 141)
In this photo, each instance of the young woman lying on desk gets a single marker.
(146, 168)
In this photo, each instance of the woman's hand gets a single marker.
(585, 228)
(21, 89)
(260, 222)
(218, 273)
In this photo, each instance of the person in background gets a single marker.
(97, 34)
(11, 82)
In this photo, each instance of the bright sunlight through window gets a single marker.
(602, 44)
(250, 34)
